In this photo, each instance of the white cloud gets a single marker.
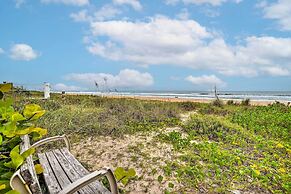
(135, 4)
(186, 43)
(18, 3)
(171, 2)
(210, 12)
(68, 2)
(64, 87)
(1, 51)
(200, 2)
(104, 13)
(276, 71)
(279, 11)
(206, 81)
(127, 78)
(183, 15)
(81, 16)
(22, 52)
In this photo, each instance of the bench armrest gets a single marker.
(75, 186)
(51, 139)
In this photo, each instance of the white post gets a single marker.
(46, 90)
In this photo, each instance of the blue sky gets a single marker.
(146, 45)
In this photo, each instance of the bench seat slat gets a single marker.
(96, 185)
(50, 179)
(71, 172)
(59, 173)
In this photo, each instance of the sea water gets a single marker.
(228, 95)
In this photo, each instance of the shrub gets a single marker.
(230, 102)
(217, 102)
(246, 102)
(13, 125)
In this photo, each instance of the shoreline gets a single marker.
(201, 100)
(183, 99)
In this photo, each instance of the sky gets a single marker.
(239, 45)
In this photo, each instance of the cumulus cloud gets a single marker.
(127, 78)
(64, 87)
(68, 2)
(104, 13)
(200, 2)
(23, 52)
(186, 43)
(279, 11)
(135, 4)
(205, 81)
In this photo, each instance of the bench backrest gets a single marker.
(26, 177)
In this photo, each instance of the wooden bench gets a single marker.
(63, 173)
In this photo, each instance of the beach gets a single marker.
(181, 99)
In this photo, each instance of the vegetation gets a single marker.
(219, 156)
(13, 125)
(220, 149)
(102, 116)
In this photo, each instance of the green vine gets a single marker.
(13, 125)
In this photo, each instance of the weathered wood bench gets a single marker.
(63, 173)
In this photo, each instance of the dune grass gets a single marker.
(220, 149)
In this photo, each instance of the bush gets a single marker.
(13, 125)
(217, 102)
(230, 102)
(246, 102)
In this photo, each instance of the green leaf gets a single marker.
(124, 181)
(38, 168)
(119, 173)
(13, 192)
(9, 164)
(28, 152)
(16, 158)
(6, 87)
(9, 129)
(1, 139)
(33, 111)
(17, 117)
(22, 131)
(171, 185)
(7, 175)
(124, 176)
(2, 187)
(160, 178)
(131, 172)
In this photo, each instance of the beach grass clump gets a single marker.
(246, 102)
(217, 102)
(105, 116)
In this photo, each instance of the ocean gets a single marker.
(284, 96)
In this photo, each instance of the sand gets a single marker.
(252, 102)
(142, 152)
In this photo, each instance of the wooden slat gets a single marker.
(27, 170)
(96, 186)
(49, 177)
(71, 172)
(60, 175)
